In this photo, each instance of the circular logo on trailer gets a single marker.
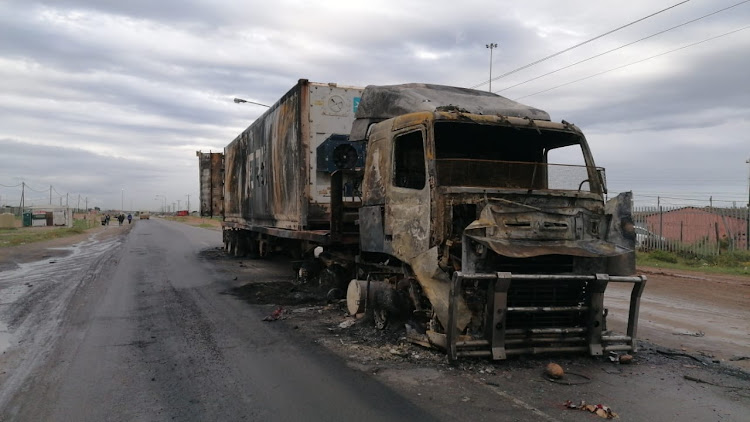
(336, 103)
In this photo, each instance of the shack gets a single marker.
(51, 215)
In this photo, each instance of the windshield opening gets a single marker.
(473, 155)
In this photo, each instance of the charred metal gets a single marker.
(471, 218)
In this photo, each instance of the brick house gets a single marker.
(690, 225)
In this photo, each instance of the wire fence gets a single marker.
(690, 230)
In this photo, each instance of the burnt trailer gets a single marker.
(277, 189)
(472, 218)
(211, 182)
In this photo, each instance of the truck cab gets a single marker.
(500, 224)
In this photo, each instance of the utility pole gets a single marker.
(23, 190)
(50, 194)
(491, 46)
(747, 222)
(188, 204)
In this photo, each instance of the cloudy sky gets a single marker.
(109, 100)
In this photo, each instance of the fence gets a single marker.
(694, 230)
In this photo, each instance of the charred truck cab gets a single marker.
(496, 219)
(473, 219)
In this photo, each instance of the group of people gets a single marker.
(120, 218)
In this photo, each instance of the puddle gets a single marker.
(16, 283)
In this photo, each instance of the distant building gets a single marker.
(51, 215)
(689, 225)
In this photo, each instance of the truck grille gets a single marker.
(547, 293)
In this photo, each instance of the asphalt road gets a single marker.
(138, 328)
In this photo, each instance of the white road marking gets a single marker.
(520, 403)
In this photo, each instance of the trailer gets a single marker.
(473, 219)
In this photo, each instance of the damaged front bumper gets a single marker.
(500, 339)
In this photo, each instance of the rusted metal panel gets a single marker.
(211, 183)
(271, 179)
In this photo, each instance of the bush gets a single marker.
(663, 256)
(734, 259)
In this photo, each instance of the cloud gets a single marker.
(127, 91)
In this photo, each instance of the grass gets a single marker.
(23, 235)
(735, 262)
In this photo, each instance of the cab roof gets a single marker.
(380, 103)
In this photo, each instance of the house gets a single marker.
(691, 225)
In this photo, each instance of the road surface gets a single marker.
(140, 323)
(135, 328)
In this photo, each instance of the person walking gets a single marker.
(130, 218)
(121, 218)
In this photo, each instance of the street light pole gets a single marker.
(122, 199)
(491, 46)
(240, 100)
(164, 199)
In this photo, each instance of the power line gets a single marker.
(9, 186)
(622, 46)
(580, 44)
(636, 194)
(35, 190)
(636, 62)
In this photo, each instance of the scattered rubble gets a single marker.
(600, 410)
(690, 333)
(275, 315)
(348, 323)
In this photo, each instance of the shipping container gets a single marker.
(211, 182)
(272, 183)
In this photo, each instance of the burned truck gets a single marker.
(475, 220)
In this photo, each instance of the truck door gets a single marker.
(407, 205)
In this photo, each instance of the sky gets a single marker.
(104, 103)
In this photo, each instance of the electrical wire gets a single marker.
(621, 47)
(9, 186)
(633, 63)
(579, 44)
(682, 198)
(35, 190)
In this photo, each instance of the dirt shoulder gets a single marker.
(701, 313)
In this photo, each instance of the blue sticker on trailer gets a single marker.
(355, 104)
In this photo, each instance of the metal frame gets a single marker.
(495, 326)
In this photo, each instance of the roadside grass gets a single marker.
(22, 235)
(734, 263)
